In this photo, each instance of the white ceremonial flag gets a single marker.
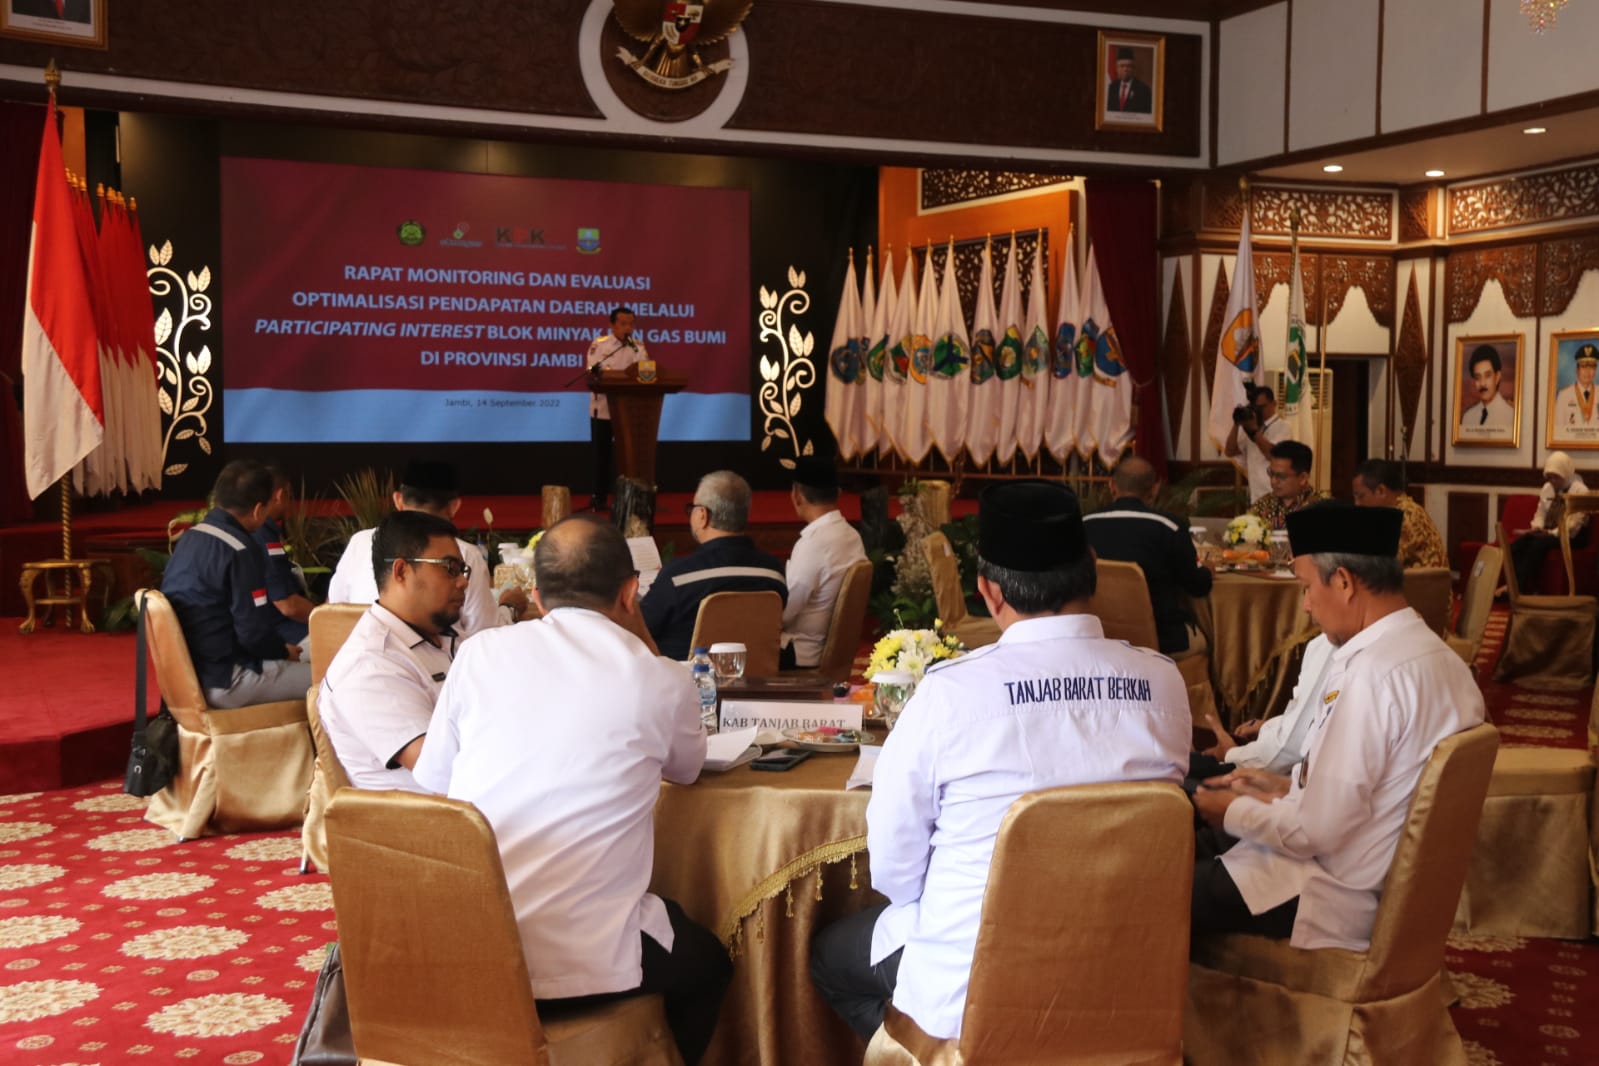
(1008, 357)
(1032, 403)
(1060, 429)
(915, 440)
(876, 435)
(844, 366)
(949, 385)
(982, 424)
(1112, 389)
(896, 368)
(859, 430)
(1296, 389)
(1238, 355)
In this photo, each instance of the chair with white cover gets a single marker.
(1477, 603)
(331, 624)
(1549, 640)
(1429, 590)
(241, 770)
(844, 628)
(1121, 601)
(753, 619)
(1098, 981)
(428, 980)
(1254, 1001)
(973, 632)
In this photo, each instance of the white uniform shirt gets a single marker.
(1052, 703)
(616, 355)
(378, 696)
(1391, 694)
(1256, 465)
(1569, 410)
(560, 731)
(354, 582)
(1546, 498)
(1281, 740)
(1501, 416)
(827, 547)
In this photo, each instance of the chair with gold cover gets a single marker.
(1477, 603)
(240, 770)
(331, 624)
(1429, 590)
(973, 632)
(428, 980)
(1549, 640)
(1098, 981)
(1584, 504)
(844, 628)
(1253, 1001)
(1121, 600)
(753, 619)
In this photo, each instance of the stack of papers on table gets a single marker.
(723, 751)
(865, 766)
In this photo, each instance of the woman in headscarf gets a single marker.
(1560, 479)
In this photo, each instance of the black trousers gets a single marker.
(1527, 554)
(600, 435)
(692, 977)
(1217, 907)
(842, 971)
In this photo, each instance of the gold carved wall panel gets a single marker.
(1466, 271)
(1561, 265)
(1570, 193)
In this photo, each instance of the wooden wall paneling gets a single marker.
(1514, 266)
(1561, 263)
(1176, 353)
(1466, 519)
(1215, 322)
(1372, 274)
(1410, 363)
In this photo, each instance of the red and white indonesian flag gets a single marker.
(844, 366)
(1032, 402)
(1238, 355)
(982, 430)
(1060, 421)
(63, 409)
(949, 384)
(877, 359)
(1008, 356)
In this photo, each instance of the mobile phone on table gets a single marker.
(779, 760)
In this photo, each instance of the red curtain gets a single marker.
(1123, 224)
(20, 128)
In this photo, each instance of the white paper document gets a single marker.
(865, 766)
(723, 751)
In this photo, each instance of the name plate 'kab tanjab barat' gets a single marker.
(783, 714)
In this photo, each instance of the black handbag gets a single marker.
(325, 1038)
(153, 760)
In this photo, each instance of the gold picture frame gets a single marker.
(1137, 103)
(1495, 422)
(76, 23)
(1571, 422)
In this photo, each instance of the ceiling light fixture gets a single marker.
(1435, 173)
(1535, 129)
(1541, 14)
(1332, 168)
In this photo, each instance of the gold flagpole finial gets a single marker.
(133, 203)
(52, 77)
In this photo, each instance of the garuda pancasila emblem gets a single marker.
(671, 32)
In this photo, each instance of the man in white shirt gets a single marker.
(1052, 703)
(1261, 432)
(1278, 743)
(617, 349)
(1491, 417)
(377, 698)
(828, 546)
(1314, 847)
(1577, 405)
(560, 731)
(428, 487)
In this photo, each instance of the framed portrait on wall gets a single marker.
(1573, 394)
(71, 22)
(1132, 80)
(1487, 377)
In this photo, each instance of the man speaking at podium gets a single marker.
(615, 350)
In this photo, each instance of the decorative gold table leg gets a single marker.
(86, 574)
(30, 574)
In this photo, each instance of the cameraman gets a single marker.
(1262, 429)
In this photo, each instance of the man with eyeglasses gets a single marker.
(378, 696)
(726, 560)
(1291, 489)
(429, 487)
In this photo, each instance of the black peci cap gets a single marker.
(1032, 526)
(1345, 529)
(432, 477)
(815, 472)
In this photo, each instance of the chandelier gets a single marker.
(1541, 14)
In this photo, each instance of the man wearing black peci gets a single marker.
(617, 349)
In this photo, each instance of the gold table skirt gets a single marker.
(764, 860)
(1257, 629)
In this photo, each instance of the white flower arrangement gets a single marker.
(913, 650)
(1246, 531)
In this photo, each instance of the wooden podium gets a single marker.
(636, 416)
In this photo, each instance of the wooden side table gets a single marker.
(67, 583)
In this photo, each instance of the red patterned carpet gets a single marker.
(118, 945)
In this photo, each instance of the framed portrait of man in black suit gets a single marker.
(79, 23)
(1132, 77)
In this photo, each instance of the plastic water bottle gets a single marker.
(705, 681)
(699, 656)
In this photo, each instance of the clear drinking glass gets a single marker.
(728, 662)
(894, 688)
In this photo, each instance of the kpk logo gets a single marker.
(588, 241)
(411, 233)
